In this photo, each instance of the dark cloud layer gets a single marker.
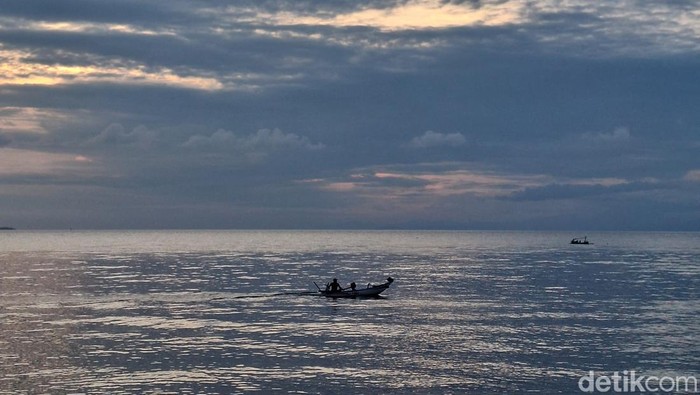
(503, 114)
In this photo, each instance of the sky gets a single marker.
(338, 114)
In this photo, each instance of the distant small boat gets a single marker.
(578, 240)
(369, 291)
(6, 228)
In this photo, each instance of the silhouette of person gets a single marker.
(334, 286)
(353, 285)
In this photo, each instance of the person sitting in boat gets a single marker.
(334, 286)
(353, 286)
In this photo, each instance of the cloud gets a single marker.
(375, 182)
(429, 182)
(414, 14)
(434, 139)
(262, 140)
(19, 162)
(29, 120)
(126, 11)
(20, 68)
(618, 135)
(613, 29)
(561, 191)
(692, 175)
(350, 78)
(116, 135)
(426, 183)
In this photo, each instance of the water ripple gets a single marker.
(468, 313)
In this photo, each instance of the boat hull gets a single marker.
(370, 291)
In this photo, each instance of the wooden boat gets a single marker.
(369, 291)
(580, 241)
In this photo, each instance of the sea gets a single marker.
(238, 312)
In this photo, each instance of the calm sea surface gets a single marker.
(219, 312)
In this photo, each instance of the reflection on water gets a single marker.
(481, 313)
